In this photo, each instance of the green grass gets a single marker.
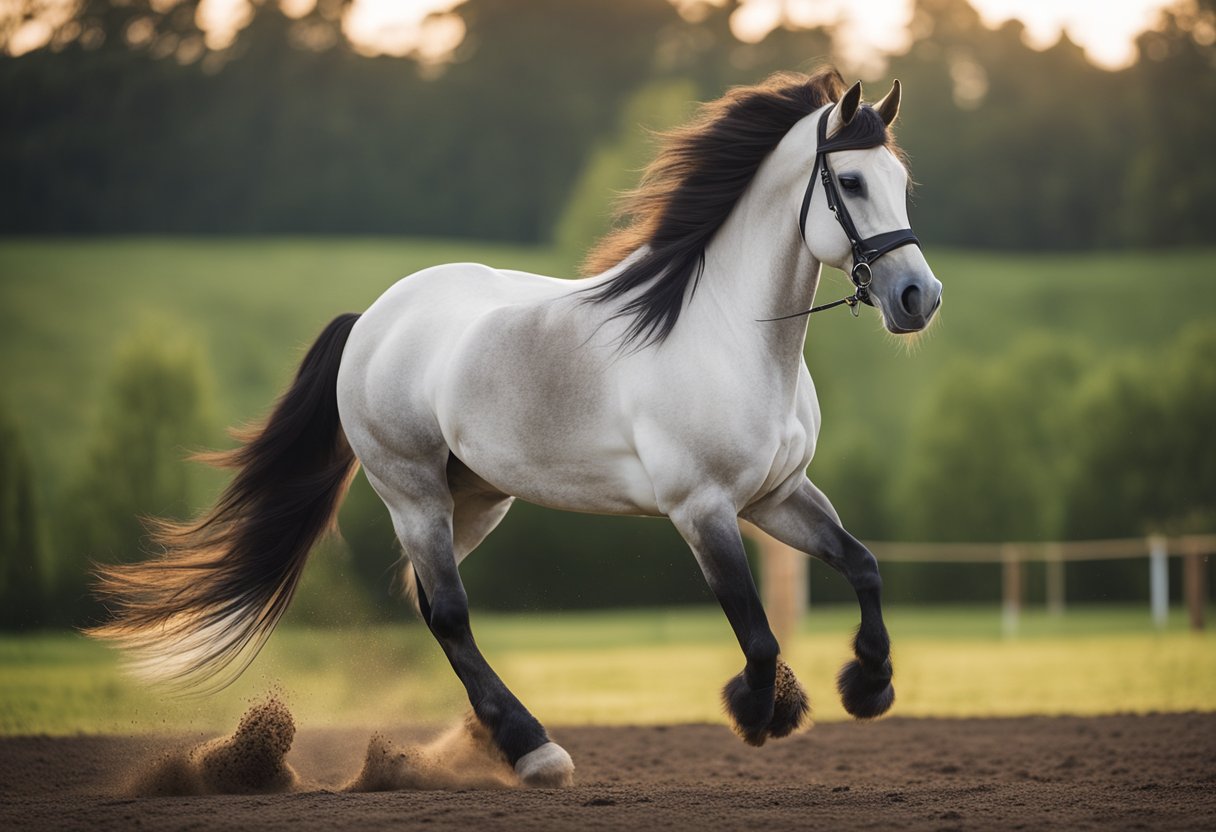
(252, 303)
(634, 667)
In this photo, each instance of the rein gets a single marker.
(865, 251)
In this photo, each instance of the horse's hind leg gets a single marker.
(477, 509)
(423, 519)
(807, 521)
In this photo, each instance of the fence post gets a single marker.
(1159, 580)
(1055, 579)
(1011, 590)
(1195, 585)
(783, 584)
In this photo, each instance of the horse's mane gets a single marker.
(688, 191)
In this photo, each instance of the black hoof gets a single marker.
(790, 706)
(865, 694)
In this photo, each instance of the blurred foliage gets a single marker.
(156, 409)
(991, 442)
(614, 165)
(1052, 443)
(288, 130)
(22, 554)
(1145, 452)
(127, 122)
(1081, 409)
(330, 594)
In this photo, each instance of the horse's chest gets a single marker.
(796, 434)
(795, 447)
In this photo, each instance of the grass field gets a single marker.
(634, 668)
(252, 303)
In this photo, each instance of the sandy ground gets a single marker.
(1147, 772)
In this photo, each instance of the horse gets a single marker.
(670, 382)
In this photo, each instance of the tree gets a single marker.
(990, 447)
(1190, 389)
(1145, 457)
(1169, 193)
(155, 410)
(21, 543)
(614, 166)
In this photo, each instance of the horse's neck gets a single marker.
(757, 267)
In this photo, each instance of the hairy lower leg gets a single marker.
(865, 683)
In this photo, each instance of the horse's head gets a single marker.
(855, 216)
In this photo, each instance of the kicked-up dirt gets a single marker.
(1121, 772)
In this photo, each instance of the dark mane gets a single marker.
(689, 189)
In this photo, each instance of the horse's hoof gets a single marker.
(547, 767)
(790, 703)
(775, 711)
(750, 711)
(865, 694)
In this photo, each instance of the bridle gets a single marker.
(865, 251)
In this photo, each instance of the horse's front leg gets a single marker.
(765, 700)
(807, 521)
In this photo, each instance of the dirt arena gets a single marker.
(1149, 772)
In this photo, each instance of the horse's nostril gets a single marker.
(911, 299)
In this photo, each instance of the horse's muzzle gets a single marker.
(912, 304)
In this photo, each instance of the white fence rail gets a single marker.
(784, 571)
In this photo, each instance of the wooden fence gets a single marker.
(784, 579)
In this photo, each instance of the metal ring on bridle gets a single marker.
(857, 269)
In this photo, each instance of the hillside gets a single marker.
(66, 304)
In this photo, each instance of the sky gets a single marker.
(1106, 29)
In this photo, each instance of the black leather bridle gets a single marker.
(865, 251)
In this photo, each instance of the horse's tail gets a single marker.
(202, 608)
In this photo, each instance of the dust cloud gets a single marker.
(251, 761)
(463, 757)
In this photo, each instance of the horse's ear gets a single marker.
(845, 109)
(888, 108)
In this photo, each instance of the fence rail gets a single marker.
(784, 570)
(1118, 549)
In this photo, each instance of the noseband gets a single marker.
(865, 251)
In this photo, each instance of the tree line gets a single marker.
(127, 122)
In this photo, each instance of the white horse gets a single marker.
(672, 383)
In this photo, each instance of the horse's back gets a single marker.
(506, 370)
(399, 350)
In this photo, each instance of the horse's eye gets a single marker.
(850, 183)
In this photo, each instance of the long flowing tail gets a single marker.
(201, 609)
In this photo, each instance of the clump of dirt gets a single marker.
(463, 757)
(251, 761)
